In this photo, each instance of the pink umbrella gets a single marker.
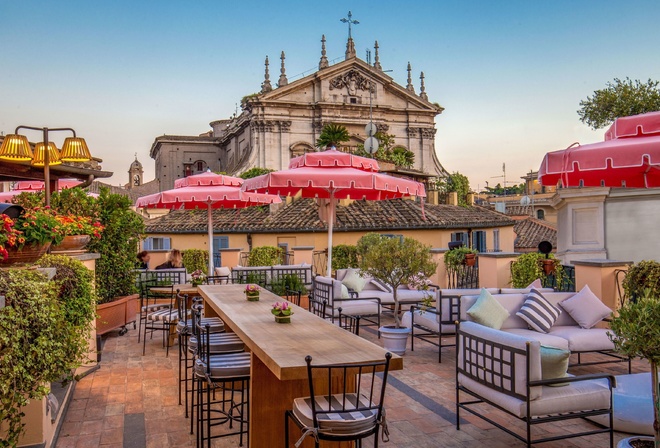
(629, 157)
(206, 189)
(32, 186)
(334, 175)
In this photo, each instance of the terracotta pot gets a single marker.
(72, 243)
(548, 266)
(116, 314)
(27, 254)
(470, 259)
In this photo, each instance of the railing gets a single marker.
(619, 276)
(566, 283)
(464, 277)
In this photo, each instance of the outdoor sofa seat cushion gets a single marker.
(355, 307)
(578, 396)
(583, 339)
(546, 339)
(427, 320)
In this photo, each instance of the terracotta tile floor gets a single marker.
(131, 402)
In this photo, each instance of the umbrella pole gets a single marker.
(331, 222)
(210, 231)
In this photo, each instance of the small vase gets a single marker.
(283, 319)
(470, 259)
(72, 243)
(252, 296)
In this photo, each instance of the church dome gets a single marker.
(136, 165)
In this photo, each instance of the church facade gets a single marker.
(285, 120)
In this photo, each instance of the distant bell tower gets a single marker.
(135, 174)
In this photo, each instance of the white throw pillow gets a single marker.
(539, 314)
(554, 364)
(353, 280)
(224, 270)
(585, 308)
(344, 292)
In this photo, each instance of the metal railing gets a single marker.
(565, 284)
(464, 277)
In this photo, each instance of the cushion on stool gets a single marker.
(337, 421)
(219, 343)
(216, 325)
(225, 366)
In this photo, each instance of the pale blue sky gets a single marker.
(510, 74)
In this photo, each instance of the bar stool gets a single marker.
(230, 373)
(184, 331)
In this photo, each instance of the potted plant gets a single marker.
(196, 260)
(78, 231)
(197, 277)
(635, 332)
(30, 236)
(641, 276)
(282, 312)
(458, 257)
(394, 262)
(252, 292)
(529, 267)
(265, 256)
(115, 279)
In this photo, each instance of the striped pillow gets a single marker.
(539, 314)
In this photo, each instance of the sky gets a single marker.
(510, 74)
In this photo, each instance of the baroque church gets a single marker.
(285, 119)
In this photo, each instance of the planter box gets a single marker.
(116, 314)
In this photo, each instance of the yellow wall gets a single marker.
(319, 240)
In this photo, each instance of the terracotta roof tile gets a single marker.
(302, 216)
(531, 231)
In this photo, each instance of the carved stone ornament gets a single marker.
(352, 80)
(263, 125)
(427, 132)
(285, 126)
(412, 132)
(382, 127)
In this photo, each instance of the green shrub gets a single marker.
(265, 256)
(528, 267)
(454, 259)
(287, 282)
(344, 256)
(196, 259)
(641, 276)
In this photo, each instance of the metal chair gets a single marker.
(317, 306)
(293, 297)
(229, 373)
(349, 322)
(218, 280)
(350, 414)
(162, 319)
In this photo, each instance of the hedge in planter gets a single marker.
(265, 256)
(640, 277)
(40, 343)
(528, 268)
(196, 260)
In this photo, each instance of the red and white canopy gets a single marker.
(629, 157)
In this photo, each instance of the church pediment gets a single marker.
(348, 82)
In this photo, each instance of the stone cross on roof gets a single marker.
(350, 22)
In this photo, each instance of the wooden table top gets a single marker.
(283, 347)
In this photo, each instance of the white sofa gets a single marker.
(376, 289)
(329, 290)
(565, 333)
(506, 370)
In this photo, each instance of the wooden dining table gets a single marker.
(279, 371)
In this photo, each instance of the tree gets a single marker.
(332, 135)
(619, 99)
(254, 172)
(386, 153)
(395, 262)
(456, 182)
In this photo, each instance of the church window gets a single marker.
(353, 100)
(540, 214)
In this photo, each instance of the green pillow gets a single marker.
(488, 311)
(354, 281)
(554, 364)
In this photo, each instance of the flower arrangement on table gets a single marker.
(197, 277)
(282, 312)
(252, 292)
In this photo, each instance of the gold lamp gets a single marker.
(75, 149)
(39, 156)
(16, 148)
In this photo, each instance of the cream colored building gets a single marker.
(285, 119)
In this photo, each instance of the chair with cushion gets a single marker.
(218, 280)
(162, 319)
(317, 306)
(336, 295)
(222, 376)
(350, 414)
(293, 297)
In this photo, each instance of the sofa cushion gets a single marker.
(223, 270)
(586, 308)
(344, 292)
(523, 290)
(544, 338)
(538, 312)
(380, 285)
(427, 320)
(488, 311)
(353, 280)
(583, 339)
(354, 307)
(554, 364)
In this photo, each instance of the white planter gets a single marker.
(625, 443)
(395, 339)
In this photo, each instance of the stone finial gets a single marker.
(410, 86)
(377, 59)
(282, 81)
(422, 89)
(266, 86)
(323, 63)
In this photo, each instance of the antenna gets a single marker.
(504, 181)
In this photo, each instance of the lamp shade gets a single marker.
(16, 148)
(53, 155)
(75, 149)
